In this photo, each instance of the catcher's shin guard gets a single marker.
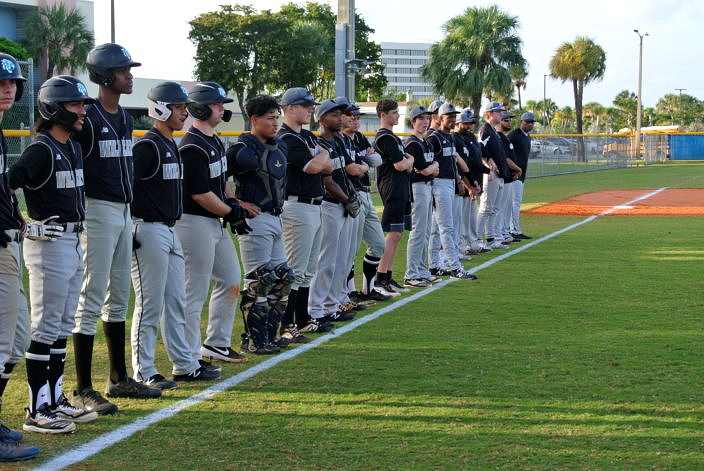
(278, 298)
(255, 311)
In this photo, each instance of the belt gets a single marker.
(72, 226)
(274, 211)
(331, 200)
(429, 182)
(304, 199)
(364, 188)
(168, 223)
(14, 235)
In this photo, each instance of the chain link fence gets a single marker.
(20, 118)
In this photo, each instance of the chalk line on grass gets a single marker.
(102, 442)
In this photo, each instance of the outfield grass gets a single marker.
(583, 352)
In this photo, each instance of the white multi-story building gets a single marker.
(402, 62)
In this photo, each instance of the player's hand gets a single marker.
(4, 239)
(240, 227)
(352, 206)
(48, 229)
(251, 208)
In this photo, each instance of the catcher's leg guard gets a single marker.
(278, 299)
(255, 311)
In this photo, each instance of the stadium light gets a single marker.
(639, 112)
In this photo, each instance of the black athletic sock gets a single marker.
(389, 275)
(37, 358)
(382, 277)
(290, 312)
(302, 317)
(369, 266)
(5, 377)
(57, 359)
(115, 339)
(83, 356)
(350, 280)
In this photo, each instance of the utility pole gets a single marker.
(545, 101)
(639, 113)
(344, 49)
(112, 21)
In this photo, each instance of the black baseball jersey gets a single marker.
(521, 149)
(51, 174)
(508, 148)
(8, 216)
(444, 149)
(352, 152)
(423, 156)
(392, 184)
(494, 150)
(204, 169)
(106, 141)
(361, 144)
(474, 152)
(340, 159)
(260, 171)
(463, 151)
(302, 148)
(158, 185)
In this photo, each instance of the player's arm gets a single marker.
(146, 159)
(334, 189)
(33, 167)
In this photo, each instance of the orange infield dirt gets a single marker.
(671, 202)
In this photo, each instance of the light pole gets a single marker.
(112, 21)
(680, 90)
(639, 112)
(545, 101)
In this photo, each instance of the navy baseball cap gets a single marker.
(435, 106)
(493, 106)
(297, 96)
(447, 108)
(528, 117)
(505, 115)
(417, 111)
(354, 109)
(467, 116)
(331, 104)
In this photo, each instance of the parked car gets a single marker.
(560, 145)
(534, 149)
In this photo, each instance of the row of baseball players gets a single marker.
(154, 213)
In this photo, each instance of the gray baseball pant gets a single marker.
(10, 285)
(21, 343)
(332, 268)
(158, 278)
(369, 228)
(107, 255)
(505, 210)
(302, 233)
(55, 274)
(516, 199)
(210, 255)
(443, 226)
(421, 217)
(488, 205)
(472, 234)
(264, 244)
(457, 219)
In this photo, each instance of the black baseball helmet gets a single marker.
(164, 94)
(55, 92)
(10, 70)
(205, 93)
(105, 57)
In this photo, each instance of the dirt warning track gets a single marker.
(671, 202)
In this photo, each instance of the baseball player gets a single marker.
(463, 221)
(106, 141)
(13, 311)
(494, 157)
(258, 163)
(520, 138)
(50, 171)
(340, 205)
(368, 224)
(207, 246)
(442, 233)
(393, 181)
(158, 268)
(465, 128)
(505, 204)
(425, 168)
(301, 213)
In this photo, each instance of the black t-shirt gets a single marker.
(301, 150)
(521, 149)
(393, 184)
(444, 148)
(493, 149)
(423, 156)
(8, 216)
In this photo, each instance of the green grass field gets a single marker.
(583, 352)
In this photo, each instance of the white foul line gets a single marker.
(104, 441)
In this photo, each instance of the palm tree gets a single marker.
(474, 57)
(581, 62)
(595, 111)
(518, 76)
(59, 39)
(546, 108)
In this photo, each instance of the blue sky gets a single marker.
(671, 52)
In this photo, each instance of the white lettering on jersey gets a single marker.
(429, 156)
(338, 163)
(218, 168)
(448, 151)
(171, 171)
(486, 141)
(65, 179)
(115, 148)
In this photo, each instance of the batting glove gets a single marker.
(48, 229)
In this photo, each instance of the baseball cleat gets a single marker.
(8, 435)
(292, 333)
(159, 382)
(45, 421)
(90, 399)
(222, 353)
(375, 295)
(201, 374)
(129, 388)
(209, 366)
(397, 287)
(13, 451)
(386, 289)
(462, 274)
(416, 283)
(64, 410)
(317, 326)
